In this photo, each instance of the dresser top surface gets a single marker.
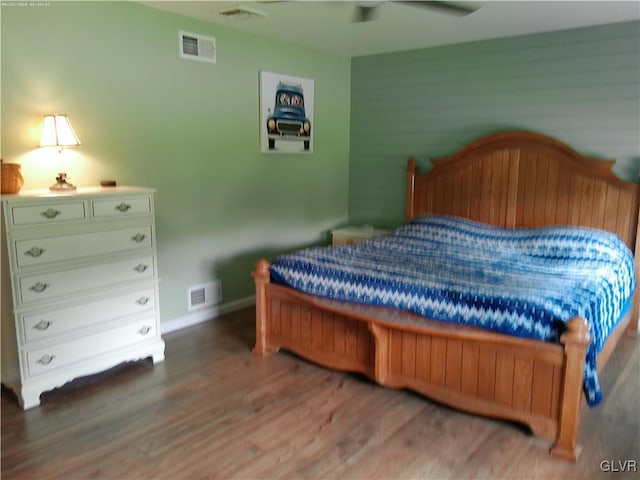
(79, 193)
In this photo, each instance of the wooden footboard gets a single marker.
(285, 320)
(535, 383)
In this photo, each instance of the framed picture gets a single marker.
(286, 114)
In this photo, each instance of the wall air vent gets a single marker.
(197, 47)
(202, 296)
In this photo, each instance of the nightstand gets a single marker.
(351, 235)
(79, 286)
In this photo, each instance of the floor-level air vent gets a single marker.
(202, 296)
(197, 47)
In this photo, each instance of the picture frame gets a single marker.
(286, 113)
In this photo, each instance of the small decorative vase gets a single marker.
(12, 180)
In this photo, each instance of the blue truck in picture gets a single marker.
(288, 121)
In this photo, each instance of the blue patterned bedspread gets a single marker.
(521, 282)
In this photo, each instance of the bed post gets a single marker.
(575, 341)
(261, 276)
(381, 338)
(412, 169)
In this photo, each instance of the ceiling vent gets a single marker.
(243, 12)
(197, 47)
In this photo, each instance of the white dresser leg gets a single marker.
(29, 397)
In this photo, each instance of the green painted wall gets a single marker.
(580, 86)
(189, 129)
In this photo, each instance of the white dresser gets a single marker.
(79, 286)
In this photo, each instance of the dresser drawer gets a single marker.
(49, 323)
(121, 207)
(33, 288)
(60, 355)
(44, 250)
(48, 213)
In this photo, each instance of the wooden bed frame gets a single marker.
(510, 179)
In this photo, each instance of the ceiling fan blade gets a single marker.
(448, 7)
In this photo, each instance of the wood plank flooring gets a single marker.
(213, 410)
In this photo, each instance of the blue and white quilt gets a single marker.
(526, 282)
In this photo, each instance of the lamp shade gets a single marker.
(57, 132)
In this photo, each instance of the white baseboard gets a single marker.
(206, 315)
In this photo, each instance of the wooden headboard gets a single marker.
(524, 179)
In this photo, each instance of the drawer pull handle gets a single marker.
(123, 207)
(46, 359)
(144, 330)
(43, 325)
(142, 300)
(39, 287)
(51, 213)
(35, 252)
(138, 237)
(140, 268)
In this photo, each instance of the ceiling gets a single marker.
(328, 25)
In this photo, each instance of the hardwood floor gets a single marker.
(213, 410)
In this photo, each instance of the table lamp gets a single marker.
(57, 132)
